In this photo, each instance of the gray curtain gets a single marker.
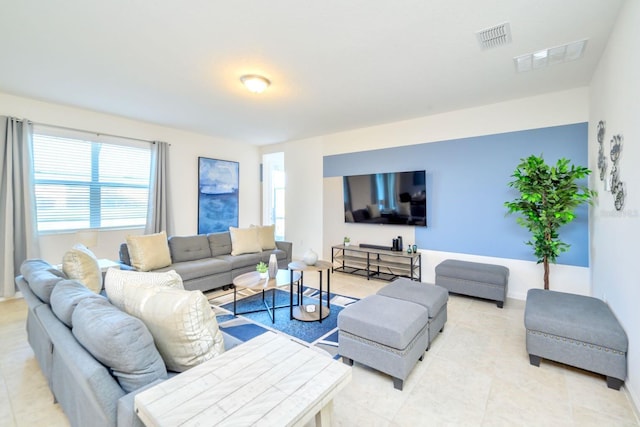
(158, 213)
(18, 226)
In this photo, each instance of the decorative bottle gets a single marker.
(273, 266)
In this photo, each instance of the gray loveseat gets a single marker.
(205, 262)
(89, 393)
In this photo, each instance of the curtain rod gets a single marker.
(91, 132)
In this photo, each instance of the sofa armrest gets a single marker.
(286, 247)
(124, 254)
(127, 416)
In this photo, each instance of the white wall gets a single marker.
(615, 98)
(303, 163)
(184, 152)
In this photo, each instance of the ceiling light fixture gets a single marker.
(255, 83)
(553, 55)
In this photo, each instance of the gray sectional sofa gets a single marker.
(205, 262)
(89, 393)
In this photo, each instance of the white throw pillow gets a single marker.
(404, 208)
(149, 252)
(116, 280)
(182, 323)
(244, 240)
(81, 264)
(266, 236)
(374, 211)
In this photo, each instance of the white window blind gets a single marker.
(83, 183)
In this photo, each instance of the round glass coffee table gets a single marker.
(253, 281)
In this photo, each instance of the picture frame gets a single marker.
(218, 195)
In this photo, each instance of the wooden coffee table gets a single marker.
(252, 280)
(269, 380)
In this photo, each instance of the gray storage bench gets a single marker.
(474, 279)
(576, 330)
(388, 331)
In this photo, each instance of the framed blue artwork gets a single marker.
(218, 183)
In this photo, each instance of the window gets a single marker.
(273, 192)
(83, 182)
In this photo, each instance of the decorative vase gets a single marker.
(310, 257)
(273, 266)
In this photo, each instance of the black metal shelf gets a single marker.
(376, 263)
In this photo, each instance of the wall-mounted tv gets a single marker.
(398, 198)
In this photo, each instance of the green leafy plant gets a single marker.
(262, 267)
(347, 239)
(548, 198)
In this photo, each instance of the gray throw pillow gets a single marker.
(119, 341)
(65, 297)
(42, 277)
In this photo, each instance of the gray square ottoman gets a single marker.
(576, 330)
(386, 334)
(433, 297)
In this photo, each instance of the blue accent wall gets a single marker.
(467, 187)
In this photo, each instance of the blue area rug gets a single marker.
(246, 326)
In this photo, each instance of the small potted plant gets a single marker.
(347, 241)
(263, 269)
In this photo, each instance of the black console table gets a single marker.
(376, 263)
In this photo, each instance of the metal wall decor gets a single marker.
(602, 159)
(615, 186)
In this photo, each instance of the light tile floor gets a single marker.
(477, 373)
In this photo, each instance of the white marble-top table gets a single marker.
(269, 380)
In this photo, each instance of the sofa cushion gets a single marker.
(244, 241)
(220, 243)
(65, 297)
(119, 341)
(266, 236)
(182, 324)
(81, 264)
(42, 277)
(279, 253)
(189, 248)
(243, 261)
(149, 252)
(116, 280)
(190, 270)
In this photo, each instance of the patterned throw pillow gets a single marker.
(182, 323)
(116, 281)
(81, 264)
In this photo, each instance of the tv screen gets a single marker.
(398, 198)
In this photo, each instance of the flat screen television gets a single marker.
(398, 198)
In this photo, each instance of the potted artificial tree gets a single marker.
(548, 198)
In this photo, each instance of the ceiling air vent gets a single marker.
(495, 36)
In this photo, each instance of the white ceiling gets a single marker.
(334, 64)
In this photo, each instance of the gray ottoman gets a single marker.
(475, 279)
(433, 297)
(576, 330)
(387, 334)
